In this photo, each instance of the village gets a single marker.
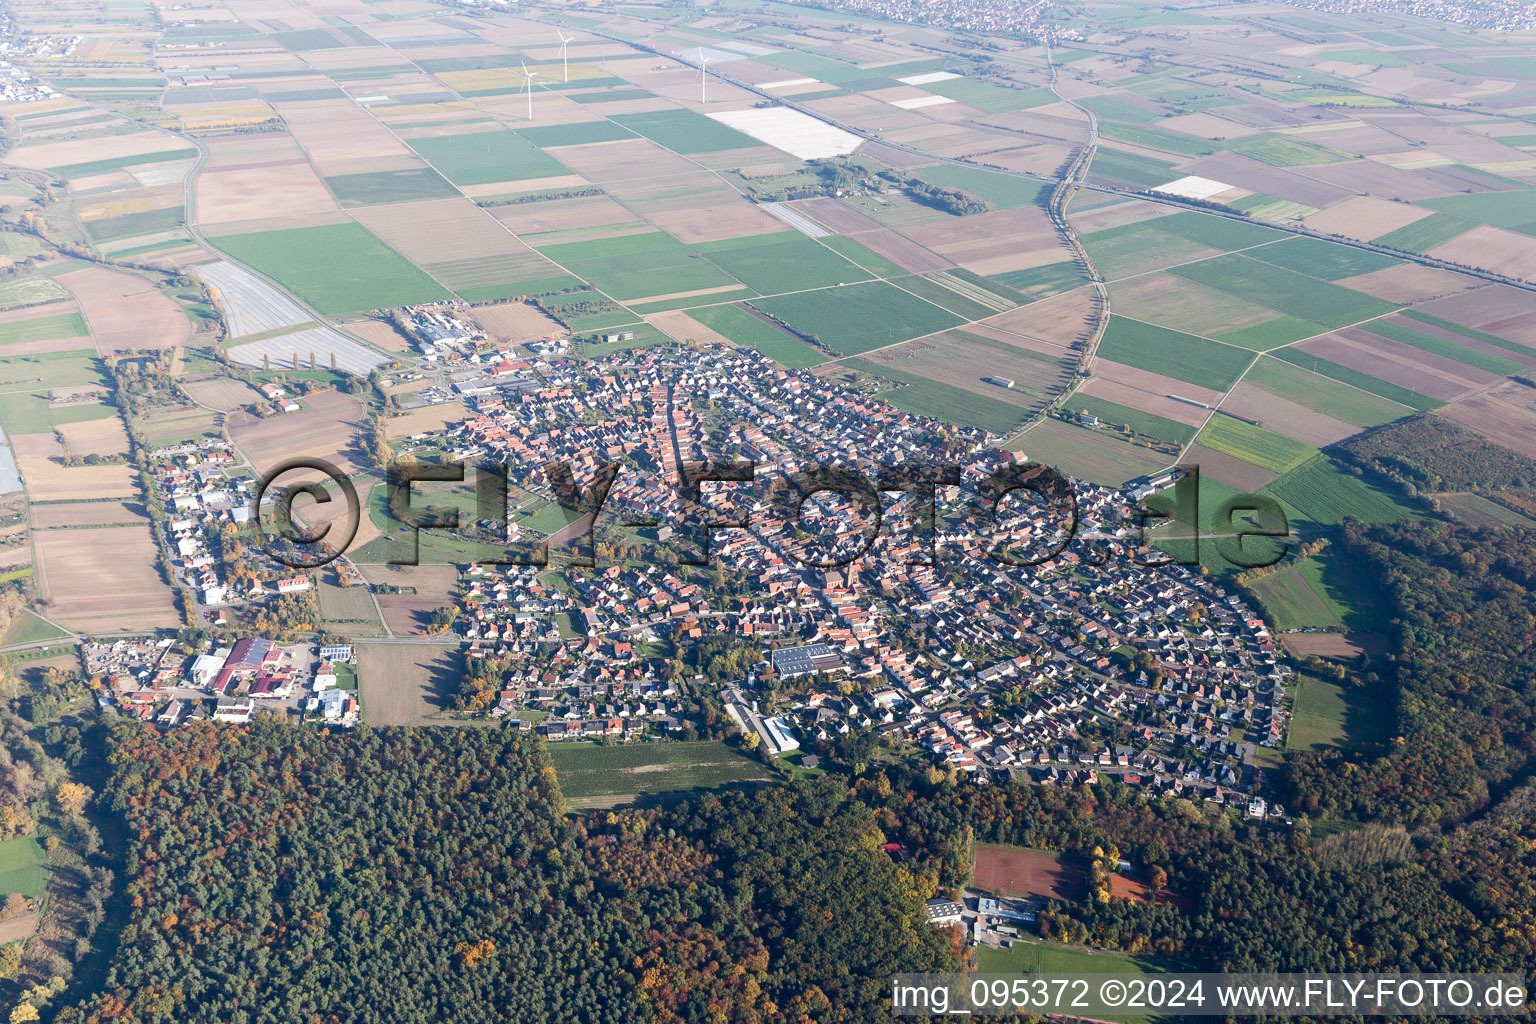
(1089, 665)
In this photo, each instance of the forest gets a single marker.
(1425, 454)
(284, 874)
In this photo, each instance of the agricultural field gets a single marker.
(745, 328)
(1254, 444)
(649, 265)
(1318, 492)
(1199, 361)
(1285, 291)
(1138, 420)
(336, 268)
(859, 318)
(1328, 714)
(406, 684)
(484, 158)
(783, 262)
(607, 776)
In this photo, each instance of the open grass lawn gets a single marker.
(1196, 360)
(603, 776)
(1328, 714)
(1285, 291)
(745, 328)
(336, 268)
(1147, 423)
(27, 628)
(389, 186)
(1038, 956)
(1290, 602)
(27, 381)
(1254, 444)
(641, 266)
(481, 158)
(781, 262)
(1317, 258)
(23, 867)
(684, 131)
(859, 317)
(1318, 493)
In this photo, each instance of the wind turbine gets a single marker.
(565, 60)
(703, 75)
(528, 87)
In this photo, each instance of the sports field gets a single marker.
(336, 268)
(605, 776)
(859, 317)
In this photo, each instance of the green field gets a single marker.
(1040, 282)
(1129, 169)
(27, 381)
(743, 328)
(1466, 354)
(1243, 440)
(940, 401)
(1163, 241)
(1284, 290)
(781, 262)
(117, 162)
(1290, 603)
(638, 266)
(105, 229)
(991, 98)
(1327, 714)
(602, 776)
(1141, 422)
(863, 256)
(1109, 108)
(1158, 138)
(1196, 360)
(1320, 591)
(1324, 394)
(1317, 258)
(1511, 209)
(684, 131)
(1283, 151)
(1037, 956)
(23, 867)
(1003, 190)
(1423, 235)
(336, 268)
(1468, 332)
(27, 628)
(1363, 381)
(60, 325)
(1319, 493)
(1282, 330)
(859, 317)
(482, 158)
(389, 186)
(550, 136)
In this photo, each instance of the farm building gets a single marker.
(1002, 382)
